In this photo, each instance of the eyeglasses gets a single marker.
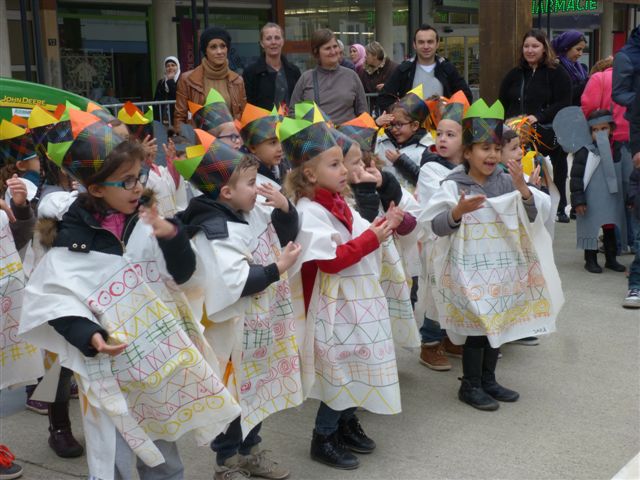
(234, 137)
(395, 125)
(128, 183)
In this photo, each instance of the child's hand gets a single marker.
(101, 346)
(373, 170)
(535, 178)
(169, 150)
(581, 209)
(288, 256)
(384, 119)
(392, 155)
(5, 206)
(466, 205)
(161, 228)
(360, 175)
(18, 190)
(150, 149)
(394, 216)
(381, 228)
(274, 197)
(515, 169)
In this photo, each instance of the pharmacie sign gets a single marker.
(564, 6)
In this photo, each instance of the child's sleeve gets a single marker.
(78, 331)
(407, 225)
(443, 223)
(350, 253)
(178, 254)
(259, 278)
(576, 181)
(367, 200)
(407, 168)
(22, 228)
(530, 207)
(286, 224)
(390, 190)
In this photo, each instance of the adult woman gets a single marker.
(337, 90)
(377, 69)
(569, 47)
(166, 90)
(213, 72)
(270, 80)
(357, 54)
(540, 90)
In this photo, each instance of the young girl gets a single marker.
(405, 138)
(104, 298)
(596, 193)
(495, 276)
(348, 328)
(214, 117)
(18, 156)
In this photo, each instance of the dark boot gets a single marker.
(60, 437)
(611, 250)
(471, 391)
(354, 437)
(489, 384)
(591, 261)
(330, 450)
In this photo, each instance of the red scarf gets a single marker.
(336, 205)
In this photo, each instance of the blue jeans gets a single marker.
(431, 332)
(327, 418)
(227, 444)
(634, 269)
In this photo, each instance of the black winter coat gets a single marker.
(260, 82)
(401, 81)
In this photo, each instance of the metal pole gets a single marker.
(37, 40)
(539, 13)
(25, 40)
(548, 20)
(194, 27)
(205, 6)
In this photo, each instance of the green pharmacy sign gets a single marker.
(563, 6)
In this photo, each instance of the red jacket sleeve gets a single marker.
(350, 253)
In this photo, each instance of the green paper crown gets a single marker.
(480, 109)
(483, 123)
(302, 140)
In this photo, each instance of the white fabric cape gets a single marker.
(170, 199)
(348, 336)
(161, 386)
(414, 152)
(495, 275)
(20, 362)
(253, 337)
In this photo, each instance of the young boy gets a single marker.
(247, 312)
(405, 138)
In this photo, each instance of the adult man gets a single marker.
(436, 74)
(343, 61)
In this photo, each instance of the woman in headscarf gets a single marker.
(213, 72)
(569, 47)
(166, 90)
(358, 56)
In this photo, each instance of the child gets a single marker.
(18, 156)
(405, 138)
(596, 194)
(247, 312)
(434, 168)
(495, 276)
(258, 130)
(376, 194)
(104, 299)
(348, 328)
(214, 117)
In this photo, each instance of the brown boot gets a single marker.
(433, 356)
(451, 349)
(60, 437)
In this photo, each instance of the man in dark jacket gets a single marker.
(632, 299)
(436, 74)
(626, 72)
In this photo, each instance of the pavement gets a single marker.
(578, 416)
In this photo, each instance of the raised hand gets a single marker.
(18, 190)
(373, 170)
(170, 156)
(392, 155)
(535, 178)
(288, 256)
(384, 119)
(101, 346)
(394, 216)
(381, 228)
(467, 205)
(515, 170)
(161, 227)
(150, 149)
(274, 197)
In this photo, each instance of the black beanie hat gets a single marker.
(211, 33)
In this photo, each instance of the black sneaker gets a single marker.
(329, 449)
(499, 392)
(562, 218)
(353, 436)
(529, 341)
(476, 397)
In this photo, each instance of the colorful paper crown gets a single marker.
(209, 165)
(91, 142)
(362, 129)
(212, 114)
(258, 124)
(102, 113)
(15, 143)
(310, 111)
(139, 124)
(302, 140)
(524, 130)
(482, 123)
(414, 104)
(343, 141)
(455, 107)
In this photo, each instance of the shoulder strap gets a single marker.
(522, 112)
(316, 87)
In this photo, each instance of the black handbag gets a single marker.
(547, 140)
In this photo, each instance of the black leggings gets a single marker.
(560, 173)
(477, 342)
